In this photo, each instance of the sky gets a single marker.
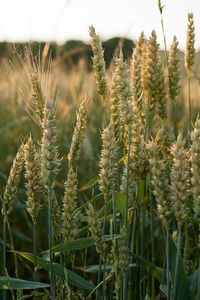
(61, 20)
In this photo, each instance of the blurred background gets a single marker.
(62, 20)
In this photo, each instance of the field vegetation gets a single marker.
(100, 173)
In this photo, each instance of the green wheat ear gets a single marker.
(99, 64)
(50, 161)
(34, 188)
(174, 70)
(190, 48)
(70, 215)
(79, 134)
(13, 182)
(108, 168)
(179, 187)
(195, 167)
(96, 230)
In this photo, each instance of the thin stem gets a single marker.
(34, 248)
(141, 285)
(168, 265)
(62, 263)
(50, 242)
(12, 248)
(189, 105)
(34, 252)
(198, 288)
(127, 177)
(99, 276)
(4, 254)
(152, 240)
(104, 278)
(114, 229)
(125, 277)
(125, 286)
(164, 38)
(19, 292)
(132, 243)
(104, 232)
(177, 264)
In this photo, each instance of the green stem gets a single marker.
(62, 262)
(168, 265)
(198, 288)
(34, 252)
(99, 276)
(4, 253)
(104, 278)
(141, 285)
(125, 277)
(152, 240)
(19, 292)
(104, 232)
(13, 249)
(127, 177)
(50, 242)
(177, 264)
(164, 38)
(132, 242)
(124, 286)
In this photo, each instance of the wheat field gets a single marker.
(100, 174)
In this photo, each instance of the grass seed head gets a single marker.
(174, 70)
(79, 133)
(160, 181)
(137, 83)
(49, 149)
(137, 161)
(99, 64)
(153, 79)
(123, 249)
(195, 164)
(95, 228)
(70, 216)
(37, 97)
(34, 188)
(115, 109)
(180, 181)
(190, 47)
(124, 89)
(13, 182)
(108, 163)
